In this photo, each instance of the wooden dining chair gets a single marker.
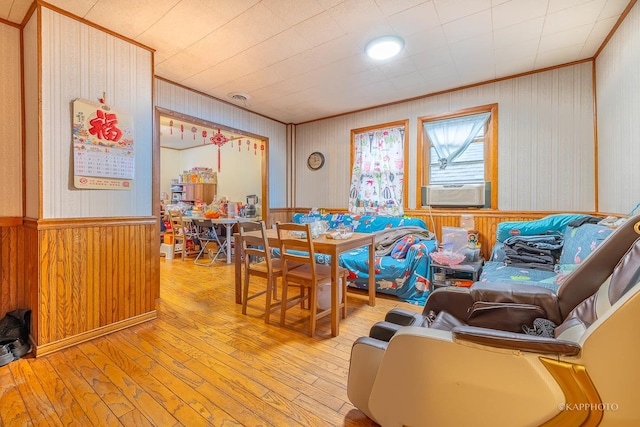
(297, 249)
(259, 263)
(181, 235)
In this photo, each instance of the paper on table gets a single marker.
(339, 236)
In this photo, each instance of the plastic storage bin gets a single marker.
(324, 296)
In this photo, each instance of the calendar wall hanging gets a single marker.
(103, 151)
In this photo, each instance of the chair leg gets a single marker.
(245, 292)
(284, 304)
(267, 306)
(313, 307)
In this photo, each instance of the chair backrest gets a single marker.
(590, 274)
(296, 246)
(255, 245)
(177, 226)
(626, 276)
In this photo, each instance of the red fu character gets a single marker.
(104, 126)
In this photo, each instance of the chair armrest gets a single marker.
(520, 294)
(403, 317)
(514, 341)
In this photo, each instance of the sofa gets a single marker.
(402, 253)
(578, 236)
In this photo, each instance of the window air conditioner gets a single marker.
(454, 195)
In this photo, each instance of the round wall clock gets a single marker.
(315, 160)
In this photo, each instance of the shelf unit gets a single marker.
(177, 192)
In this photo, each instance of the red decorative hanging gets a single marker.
(181, 131)
(204, 136)
(255, 148)
(219, 139)
(170, 127)
(262, 149)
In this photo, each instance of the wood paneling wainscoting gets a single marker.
(12, 289)
(88, 277)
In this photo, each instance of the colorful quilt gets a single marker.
(407, 277)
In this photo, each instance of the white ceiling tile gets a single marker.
(300, 60)
(512, 13)
(416, 19)
(566, 38)
(603, 27)
(612, 9)
(517, 51)
(467, 27)
(451, 10)
(576, 16)
(591, 47)
(138, 16)
(391, 7)
(289, 13)
(555, 57)
(354, 15)
(515, 34)
(319, 29)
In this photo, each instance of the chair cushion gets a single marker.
(402, 247)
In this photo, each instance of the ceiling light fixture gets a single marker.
(384, 47)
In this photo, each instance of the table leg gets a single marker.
(229, 227)
(335, 300)
(372, 272)
(238, 273)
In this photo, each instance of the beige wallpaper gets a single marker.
(545, 142)
(79, 61)
(10, 122)
(618, 105)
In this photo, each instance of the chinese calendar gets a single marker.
(103, 151)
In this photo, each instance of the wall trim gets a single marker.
(63, 223)
(94, 333)
(11, 221)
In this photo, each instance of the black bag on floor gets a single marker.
(15, 325)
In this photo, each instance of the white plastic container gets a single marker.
(457, 237)
(467, 222)
(324, 296)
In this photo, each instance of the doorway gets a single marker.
(238, 160)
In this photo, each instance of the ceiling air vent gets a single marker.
(239, 97)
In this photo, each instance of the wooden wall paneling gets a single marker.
(13, 294)
(94, 277)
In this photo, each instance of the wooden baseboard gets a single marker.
(43, 349)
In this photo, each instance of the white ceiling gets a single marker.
(300, 60)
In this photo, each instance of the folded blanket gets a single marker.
(386, 239)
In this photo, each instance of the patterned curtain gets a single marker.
(377, 178)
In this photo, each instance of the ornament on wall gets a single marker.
(170, 127)
(248, 145)
(194, 130)
(219, 139)
(262, 149)
(204, 136)
(181, 131)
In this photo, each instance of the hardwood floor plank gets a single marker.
(14, 412)
(40, 409)
(201, 362)
(61, 398)
(145, 403)
(92, 405)
(100, 383)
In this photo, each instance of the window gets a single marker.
(459, 148)
(378, 169)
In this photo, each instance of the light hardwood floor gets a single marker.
(200, 363)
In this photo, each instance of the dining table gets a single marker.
(227, 222)
(324, 245)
